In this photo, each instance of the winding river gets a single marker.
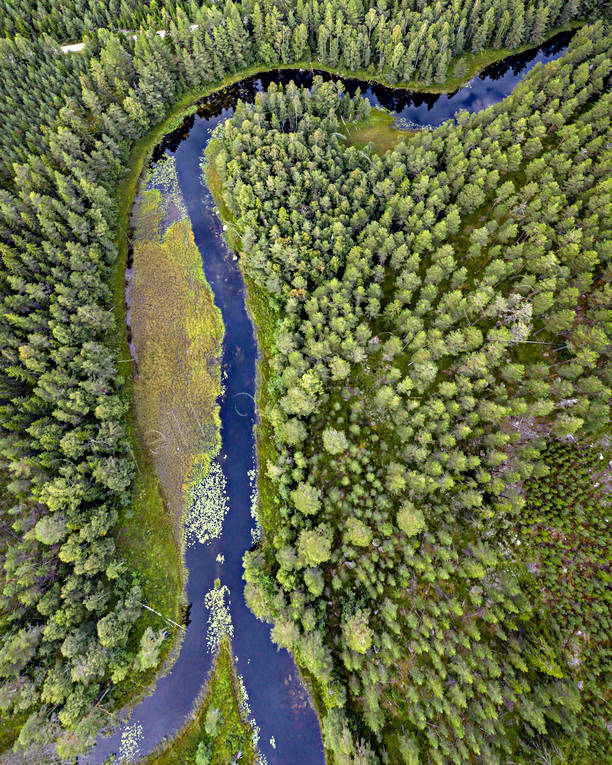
(289, 728)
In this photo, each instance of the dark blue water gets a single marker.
(276, 697)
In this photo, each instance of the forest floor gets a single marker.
(222, 691)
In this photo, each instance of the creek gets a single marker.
(289, 728)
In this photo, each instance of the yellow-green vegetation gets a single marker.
(378, 127)
(232, 731)
(146, 538)
(176, 332)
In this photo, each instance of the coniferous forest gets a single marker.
(434, 384)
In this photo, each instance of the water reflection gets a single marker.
(492, 85)
(277, 697)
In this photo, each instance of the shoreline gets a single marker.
(125, 197)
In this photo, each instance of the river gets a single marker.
(290, 731)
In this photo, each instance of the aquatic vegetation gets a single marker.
(163, 178)
(208, 507)
(256, 530)
(131, 739)
(245, 710)
(177, 333)
(219, 616)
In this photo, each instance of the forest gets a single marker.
(435, 324)
(439, 317)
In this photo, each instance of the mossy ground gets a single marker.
(235, 733)
(377, 128)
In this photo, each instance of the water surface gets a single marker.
(290, 731)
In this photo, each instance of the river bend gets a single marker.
(289, 728)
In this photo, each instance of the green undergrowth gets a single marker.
(562, 543)
(378, 128)
(233, 733)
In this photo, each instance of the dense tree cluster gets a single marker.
(409, 40)
(563, 541)
(436, 308)
(405, 38)
(68, 604)
(35, 83)
(74, 18)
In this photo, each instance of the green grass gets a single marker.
(378, 128)
(235, 733)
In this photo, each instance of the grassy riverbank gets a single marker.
(173, 421)
(147, 538)
(377, 128)
(234, 732)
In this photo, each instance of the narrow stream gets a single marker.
(289, 728)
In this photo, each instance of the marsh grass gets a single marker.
(379, 128)
(173, 383)
(177, 332)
